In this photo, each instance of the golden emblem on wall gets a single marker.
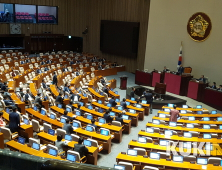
(199, 27)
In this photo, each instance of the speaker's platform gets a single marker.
(160, 100)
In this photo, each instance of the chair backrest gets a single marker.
(76, 121)
(61, 132)
(54, 114)
(105, 129)
(75, 137)
(164, 155)
(76, 155)
(116, 123)
(150, 168)
(194, 134)
(32, 140)
(140, 151)
(49, 146)
(35, 125)
(94, 142)
(128, 166)
(149, 140)
(189, 158)
(46, 127)
(214, 160)
(6, 133)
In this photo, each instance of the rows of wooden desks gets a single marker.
(18, 102)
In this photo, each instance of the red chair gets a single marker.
(47, 14)
(18, 13)
(26, 13)
(43, 14)
(22, 13)
(40, 14)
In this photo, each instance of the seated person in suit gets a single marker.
(2, 123)
(220, 88)
(66, 115)
(77, 72)
(44, 84)
(65, 69)
(29, 95)
(8, 102)
(80, 110)
(165, 69)
(123, 103)
(60, 144)
(71, 62)
(22, 62)
(106, 89)
(107, 117)
(38, 101)
(119, 118)
(113, 102)
(14, 120)
(38, 71)
(100, 66)
(4, 86)
(59, 99)
(214, 85)
(21, 92)
(80, 148)
(137, 102)
(68, 127)
(66, 88)
(115, 64)
(102, 80)
(202, 79)
(93, 124)
(49, 62)
(6, 93)
(180, 70)
(43, 62)
(46, 69)
(132, 92)
(74, 97)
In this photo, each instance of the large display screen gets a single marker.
(47, 14)
(6, 13)
(25, 13)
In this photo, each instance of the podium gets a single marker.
(160, 88)
(123, 82)
(196, 90)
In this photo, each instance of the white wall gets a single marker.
(31, 9)
(167, 27)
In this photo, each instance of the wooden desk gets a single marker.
(106, 72)
(145, 106)
(140, 162)
(2, 145)
(196, 90)
(190, 109)
(213, 98)
(104, 140)
(143, 78)
(141, 111)
(96, 95)
(178, 138)
(56, 93)
(18, 102)
(11, 86)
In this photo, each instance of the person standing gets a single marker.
(180, 70)
(55, 80)
(149, 99)
(174, 114)
(80, 148)
(132, 93)
(14, 120)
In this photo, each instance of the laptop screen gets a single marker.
(75, 124)
(187, 145)
(35, 146)
(108, 105)
(120, 108)
(166, 110)
(132, 152)
(202, 161)
(42, 112)
(104, 132)
(26, 121)
(187, 134)
(112, 114)
(71, 157)
(170, 105)
(119, 167)
(35, 108)
(207, 136)
(163, 142)
(141, 139)
(78, 113)
(206, 126)
(209, 147)
(219, 119)
(220, 126)
(90, 107)
(68, 137)
(168, 132)
(7, 110)
(185, 106)
(199, 106)
(200, 112)
(154, 155)
(21, 140)
(138, 106)
(162, 115)
(157, 122)
(132, 111)
(190, 125)
(149, 130)
(60, 106)
(127, 103)
(89, 128)
(206, 119)
(144, 102)
(51, 132)
(85, 95)
(53, 152)
(90, 117)
(52, 116)
(101, 120)
(63, 120)
(126, 117)
(68, 109)
(87, 143)
(81, 103)
(183, 111)
(177, 158)
(99, 101)
(192, 118)
(116, 92)
(100, 110)
(66, 96)
(117, 100)
(132, 98)
(213, 112)
(173, 124)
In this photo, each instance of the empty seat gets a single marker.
(189, 158)
(116, 123)
(128, 166)
(7, 133)
(214, 160)
(61, 132)
(140, 151)
(150, 168)
(46, 127)
(164, 155)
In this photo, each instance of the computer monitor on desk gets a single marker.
(132, 152)
(154, 155)
(71, 157)
(119, 167)
(177, 158)
(53, 152)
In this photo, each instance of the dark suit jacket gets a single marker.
(68, 128)
(202, 79)
(44, 85)
(77, 73)
(48, 62)
(66, 89)
(38, 71)
(180, 70)
(106, 90)
(54, 80)
(107, 117)
(132, 94)
(73, 95)
(3, 87)
(71, 62)
(38, 100)
(166, 70)
(42, 63)
(100, 67)
(123, 104)
(93, 126)
(65, 69)
(149, 97)
(22, 94)
(103, 81)
(213, 87)
(9, 102)
(112, 102)
(14, 121)
(27, 96)
(81, 149)
(119, 119)
(59, 100)
(68, 117)
(46, 69)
